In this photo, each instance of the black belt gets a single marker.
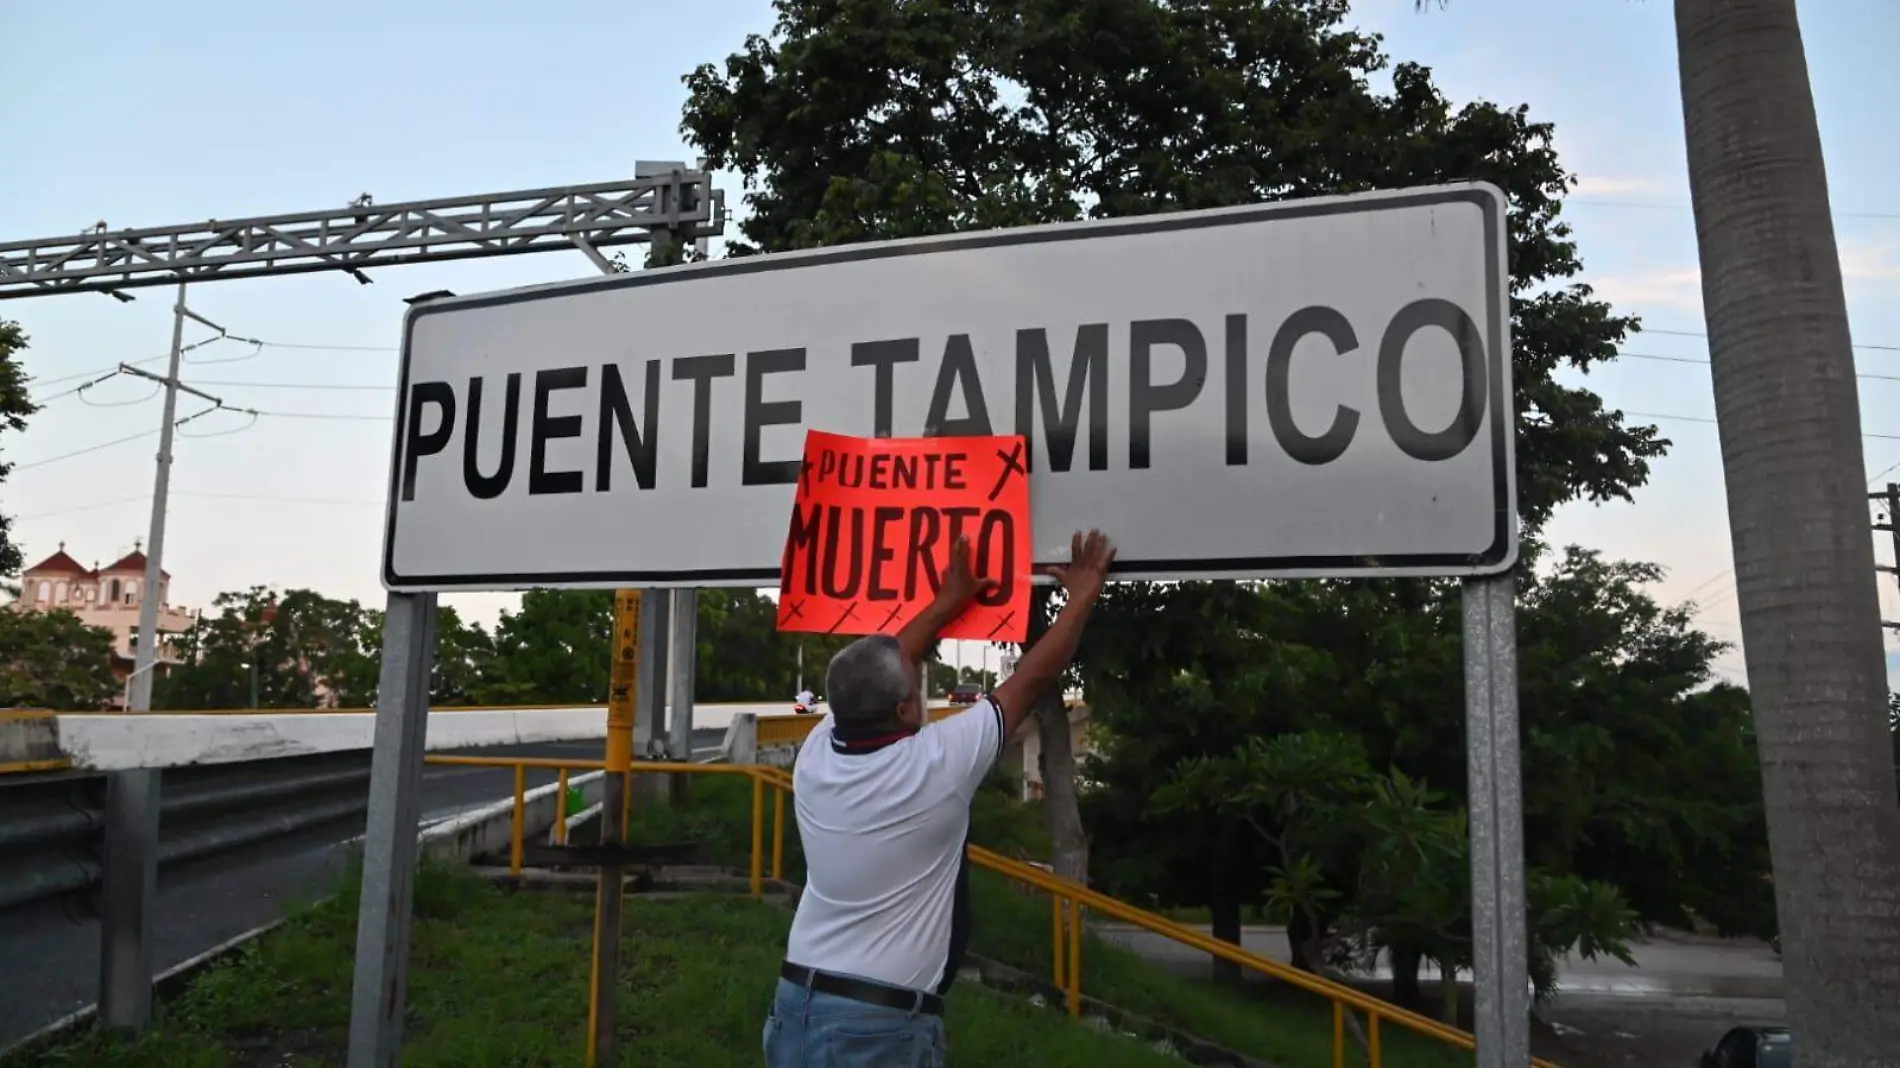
(864, 990)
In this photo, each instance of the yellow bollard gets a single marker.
(1372, 1037)
(778, 833)
(521, 819)
(758, 836)
(560, 811)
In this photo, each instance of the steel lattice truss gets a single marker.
(365, 235)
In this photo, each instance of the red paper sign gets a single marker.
(873, 524)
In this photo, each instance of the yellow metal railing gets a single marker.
(1068, 900)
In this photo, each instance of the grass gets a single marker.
(500, 979)
(1267, 1019)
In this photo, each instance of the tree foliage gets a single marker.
(303, 649)
(1286, 744)
(15, 405)
(863, 120)
(53, 660)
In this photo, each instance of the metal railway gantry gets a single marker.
(662, 202)
(663, 198)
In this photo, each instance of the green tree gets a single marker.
(1358, 860)
(297, 649)
(52, 660)
(462, 654)
(868, 119)
(553, 650)
(1637, 775)
(15, 405)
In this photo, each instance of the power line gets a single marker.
(1704, 336)
(1653, 206)
(266, 497)
(261, 343)
(327, 415)
(328, 348)
(1712, 422)
(252, 384)
(1705, 363)
(84, 451)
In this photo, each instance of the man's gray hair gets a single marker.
(867, 680)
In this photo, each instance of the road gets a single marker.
(51, 958)
(1680, 997)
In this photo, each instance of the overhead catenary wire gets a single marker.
(271, 498)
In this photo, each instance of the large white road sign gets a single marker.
(1306, 388)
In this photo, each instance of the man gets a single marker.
(883, 807)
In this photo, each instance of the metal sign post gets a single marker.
(610, 890)
(1500, 951)
(1324, 384)
(684, 677)
(390, 839)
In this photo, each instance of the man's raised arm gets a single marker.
(960, 587)
(1043, 664)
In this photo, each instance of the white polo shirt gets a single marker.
(884, 832)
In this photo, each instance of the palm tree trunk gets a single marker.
(1789, 418)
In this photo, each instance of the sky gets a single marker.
(142, 115)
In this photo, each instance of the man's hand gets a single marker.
(959, 587)
(1090, 556)
(960, 584)
(1040, 670)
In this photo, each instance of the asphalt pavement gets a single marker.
(49, 957)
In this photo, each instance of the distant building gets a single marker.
(108, 597)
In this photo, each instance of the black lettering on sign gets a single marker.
(882, 552)
(1449, 317)
(958, 373)
(958, 516)
(543, 427)
(1035, 382)
(883, 355)
(953, 475)
(641, 439)
(844, 587)
(921, 556)
(1236, 390)
(1327, 447)
(442, 396)
(803, 537)
(487, 487)
(701, 370)
(760, 413)
(904, 472)
(1145, 397)
(997, 536)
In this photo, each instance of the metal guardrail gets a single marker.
(51, 826)
(1070, 903)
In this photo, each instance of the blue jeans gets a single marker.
(808, 1029)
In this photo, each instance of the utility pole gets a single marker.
(130, 877)
(1890, 500)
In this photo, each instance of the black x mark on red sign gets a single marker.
(795, 609)
(850, 611)
(1013, 465)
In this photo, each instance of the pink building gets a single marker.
(107, 597)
